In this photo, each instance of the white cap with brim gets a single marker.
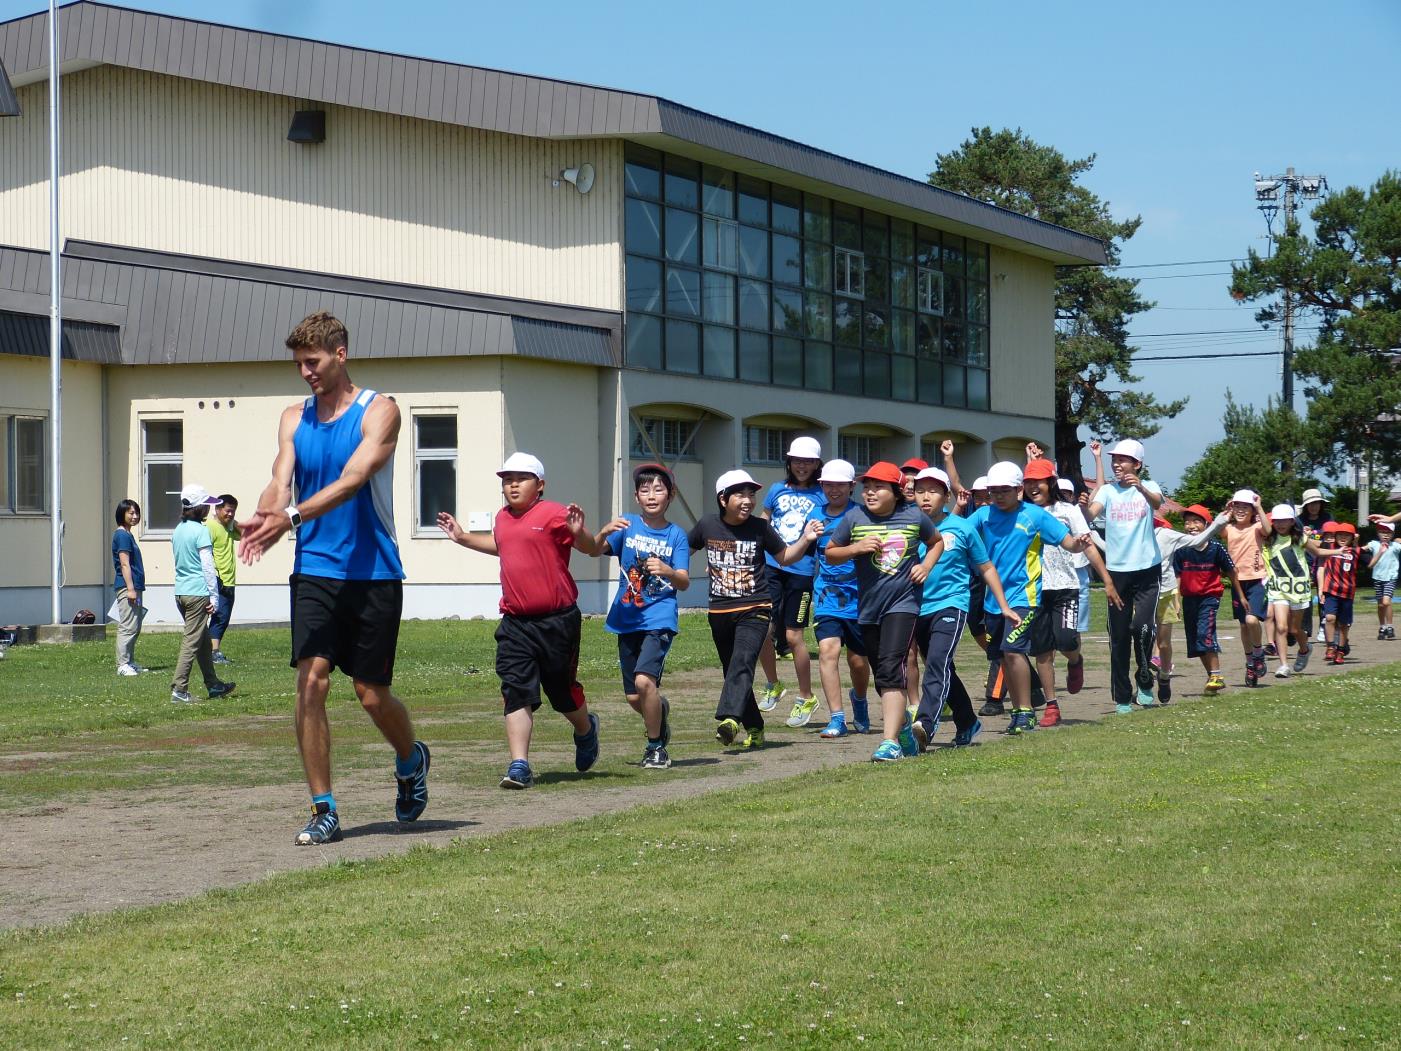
(1065, 485)
(522, 463)
(936, 474)
(1005, 473)
(980, 483)
(804, 449)
(1244, 496)
(196, 495)
(1282, 511)
(1128, 447)
(837, 471)
(1311, 496)
(731, 479)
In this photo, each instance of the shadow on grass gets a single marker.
(557, 776)
(698, 761)
(768, 746)
(409, 828)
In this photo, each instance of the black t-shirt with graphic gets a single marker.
(734, 557)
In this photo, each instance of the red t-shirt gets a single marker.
(534, 549)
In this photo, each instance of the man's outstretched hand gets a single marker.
(260, 532)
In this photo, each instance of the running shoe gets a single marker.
(921, 735)
(413, 790)
(181, 697)
(586, 746)
(1214, 685)
(1146, 698)
(1157, 662)
(1251, 679)
(727, 731)
(1282, 672)
(139, 669)
(860, 713)
(802, 711)
(906, 737)
(1123, 709)
(1322, 635)
(324, 827)
(518, 775)
(656, 758)
(1270, 650)
(1164, 691)
(964, 738)
(772, 695)
(221, 689)
(992, 708)
(1023, 721)
(887, 751)
(127, 671)
(1260, 665)
(219, 658)
(1330, 654)
(836, 727)
(754, 738)
(1051, 716)
(1381, 634)
(1345, 649)
(666, 723)
(1302, 660)
(1338, 657)
(1075, 677)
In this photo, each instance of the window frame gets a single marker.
(860, 439)
(768, 438)
(845, 263)
(924, 290)
(147, 459)
(430, 530)
(10, 421)
(683, 438)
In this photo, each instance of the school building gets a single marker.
(596, 276)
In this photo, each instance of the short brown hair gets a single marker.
(319, 331)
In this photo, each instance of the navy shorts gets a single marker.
(642, 653)
(1255, 600)
(791, 595)
(1199, 617)
(1003, 638)
(1333, 606)
(848, 631)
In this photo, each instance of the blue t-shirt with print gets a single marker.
(122, 540)
(645, 602)
(1129, 541)
(950, 585)
(834, 586)
(788, 510)
(1014, 541)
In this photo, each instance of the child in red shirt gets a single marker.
(537, 642)
(1337, 587)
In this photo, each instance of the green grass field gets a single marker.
(1221, 874)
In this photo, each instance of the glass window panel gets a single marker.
(978, 389)
(682, 236)
(754, 357)
(436, 432)
(902, 241)
(877, 375)
(165, 436)
(954, 349)
(644, 284)
(642, 173)
(162, 503)
(754, 305)
(850, 274)
(848, 370)
(683, 292)
(787, 361)
(817, 217)
(718, 298)
(931, 383)
(817, 315)
(978, 345)
(787, 210)
(953, 254)
(977, 253)
(953, 385)
(954, 297)
(29, 464)
(927, 337)
(927, 248)
(718, 193)
(817, 266)
(846, 226)
(721, 238)
(643, 224)
(817, 366)
(644, 341)
(902, 379)
(437, 490)
(902, 332)
(929, 291)
(753, 252)
(719, 352)
(846, 322)
(902, 285)
(877, 240)
(877, 279)
(682, 346)
(787, 312)
(977, 302)
(682, 182)
(787, 260)
(753, 202)
(876, 326)
(4, 464)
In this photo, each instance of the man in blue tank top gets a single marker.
(337, 449)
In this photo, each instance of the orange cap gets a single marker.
(1201, 512)
(884, 471)
(1039, 469)
(915, 464)
(1347, 527)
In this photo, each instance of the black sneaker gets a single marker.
(1164, 691)
(413, 790)
(324, 827)
(666, 724)
(992, 708)
(221, 689)
(656, 758)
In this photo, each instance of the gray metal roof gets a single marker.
(9, 105)
(28, 336)
(174, 309)
(94, 34)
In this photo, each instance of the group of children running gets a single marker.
(893, 564)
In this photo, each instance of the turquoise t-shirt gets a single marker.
(950, 585)
(186, 541)
(1014, 540)
(1129, 542)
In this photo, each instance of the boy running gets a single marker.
(537, 641)
(1170, 541)
(1337, 587)
(653, 560)
(1199, 571)
(1384, 565)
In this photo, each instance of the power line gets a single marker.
(1234, 354)
(1151, 266)
(1174, 277)
(1203, 332)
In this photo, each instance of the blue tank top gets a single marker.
(355, 541)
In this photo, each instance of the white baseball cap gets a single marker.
(1244, 496)
(1128, 447)
(1004, 473)
(804, 449)
(936, 474)
(522, 463)
(1065, 485)
(195, 495)
(1282, 511)
(730, 479)
(837, 471)
(980, 482)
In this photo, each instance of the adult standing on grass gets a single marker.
(196, 594)
(337, 447)
(223, 531)
(130, 583)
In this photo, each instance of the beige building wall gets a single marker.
(182, 166)
(1023, 291)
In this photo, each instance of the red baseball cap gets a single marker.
(1331, 527)
(1039, 469)
(1161, 523)
(915, 464)
(1199, 510)
(1346, 527)
(883, 471)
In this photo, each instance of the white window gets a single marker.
(859, 450)
(673, 439)
(851, 273)
(721, 243)
(22, 465)
(931, 291)
(434, 469)
(765, 445)
(162, 473)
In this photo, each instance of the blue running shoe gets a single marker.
(413, 790)
(836, 727)
(1123, 709)
(860, 713)
(586, 747)
(1023, 719)
(1146, 698)
(666, 723)
(887, 751)
(908, 745)
(964, 738)
(324, 827)
(518, 775)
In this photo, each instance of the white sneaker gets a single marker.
(1282, 672)
(139, 668)
(1321, 636)
(180, 697)
(128, 670)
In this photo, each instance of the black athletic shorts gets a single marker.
(354, 624)
(791, 595)
(1003, 638)
(887, 647)
(538, 654)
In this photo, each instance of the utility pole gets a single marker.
(1267, 193)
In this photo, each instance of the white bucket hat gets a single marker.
(837, 471)
(936, 474)
(730, 479)
(522, 463)
(804, 449)
(1311, 496)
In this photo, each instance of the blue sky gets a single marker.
(1182, 104)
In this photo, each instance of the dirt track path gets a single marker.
(128, 850)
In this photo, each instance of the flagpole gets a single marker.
(55, 329)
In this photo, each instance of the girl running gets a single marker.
(1287, 586)
(1244, 535)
